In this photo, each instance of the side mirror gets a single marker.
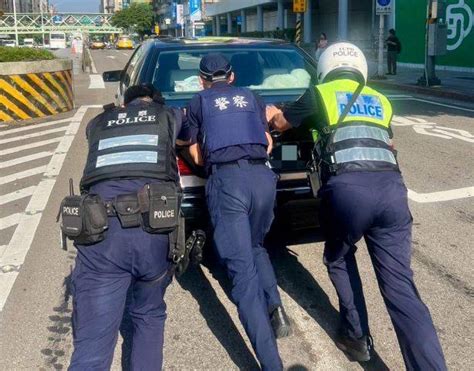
(112, 76)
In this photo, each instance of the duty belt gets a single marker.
(236, 163)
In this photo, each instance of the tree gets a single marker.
(138, 18)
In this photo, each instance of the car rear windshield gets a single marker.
(265, 70)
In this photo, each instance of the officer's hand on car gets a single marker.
(276, 119)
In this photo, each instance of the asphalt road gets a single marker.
(435, 143)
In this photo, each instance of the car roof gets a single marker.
(171, 42)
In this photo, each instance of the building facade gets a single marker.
(410, 26)
(24, 6)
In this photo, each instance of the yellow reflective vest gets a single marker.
(362, 140)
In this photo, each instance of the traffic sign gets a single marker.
(299, 6)
(383, 7)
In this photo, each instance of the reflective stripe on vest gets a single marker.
(361, 140)
(361, 132)
(371, 106)
(364, 154)
(132, 142)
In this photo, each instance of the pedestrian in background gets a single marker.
(321, 46)
(394, 47)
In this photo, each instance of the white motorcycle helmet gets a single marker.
(342, 59)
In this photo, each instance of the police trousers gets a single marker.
(374, 205)
(100, 281)
(240, 199)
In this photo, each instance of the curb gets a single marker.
(433, 91)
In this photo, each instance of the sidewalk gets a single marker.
(455, 85)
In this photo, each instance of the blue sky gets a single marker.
(77, 5)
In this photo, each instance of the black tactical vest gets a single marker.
(132, 142)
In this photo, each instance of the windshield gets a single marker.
(58, 36)
(265, 70)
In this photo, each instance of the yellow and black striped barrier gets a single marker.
(35, 94)
(298, 32)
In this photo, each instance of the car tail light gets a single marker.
(183, 167)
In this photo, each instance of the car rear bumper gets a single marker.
(291, 187)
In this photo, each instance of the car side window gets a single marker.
(131, 69)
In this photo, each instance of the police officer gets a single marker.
(129, 147)
(231, 130)
(363, 195)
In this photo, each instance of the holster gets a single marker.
(83, 219)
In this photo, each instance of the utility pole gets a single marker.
(382, 8)
(16, 25)
(435, 40)
(42, 19)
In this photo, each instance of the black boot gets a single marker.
(280, 323)
(357, 349)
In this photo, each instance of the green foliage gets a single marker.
(136, 18)
(8, 54)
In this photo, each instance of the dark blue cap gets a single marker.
(214, 66)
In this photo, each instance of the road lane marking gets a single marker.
(97, 82)
(9, 221)
(17, 195)
(125, 54)
(111, 56)
(29, 146)
(32, 127)
(24, 159)
(399, 96)
(33, 135)
(453, 194)
(421, 126)
(15, 253)
(22, 174)
(3, 126)
(93, 68)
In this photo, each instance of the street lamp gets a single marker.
(42, 3)
(16, 25)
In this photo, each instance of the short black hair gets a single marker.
(391, 31)
(137, 91)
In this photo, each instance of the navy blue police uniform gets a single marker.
(229, 124)
(369, 199)
(128, 148)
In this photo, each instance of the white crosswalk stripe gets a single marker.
(17, 195)
(22, 179)
(9, 221)
(22, 160)
(25, 147)
(33, 135)
(37, 126)
(22, 175)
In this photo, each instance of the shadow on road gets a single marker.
(301, 286)
(216, 315)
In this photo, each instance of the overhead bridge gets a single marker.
(35, 23)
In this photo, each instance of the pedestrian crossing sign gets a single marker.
(299, 6)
